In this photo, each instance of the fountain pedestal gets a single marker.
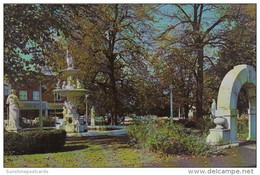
(71, 119)
(73, 90)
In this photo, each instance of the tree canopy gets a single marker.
(129, 54)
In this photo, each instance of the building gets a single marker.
(52, 104)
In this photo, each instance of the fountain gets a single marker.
(73, 90)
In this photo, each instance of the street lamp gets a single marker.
(171, 88)
(86, 98)
(40, 105)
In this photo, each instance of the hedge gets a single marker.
(33, 141)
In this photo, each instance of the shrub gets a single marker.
(242, 127)
(204, 124)
(187, 123)
(33, 141)
(47, 122)
(160, 136)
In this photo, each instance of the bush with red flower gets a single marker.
(162, 137)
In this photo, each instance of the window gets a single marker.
(23, 95)
(6, 90)
(36, 95)
(58, 97)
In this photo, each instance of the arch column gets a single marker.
(230, 117)
(252, 125)
(251, 92)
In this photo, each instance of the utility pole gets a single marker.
(171, 88)
(86, 119)
(40, 103)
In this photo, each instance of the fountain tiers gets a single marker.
(71, 120)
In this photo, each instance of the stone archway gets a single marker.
(226, 113)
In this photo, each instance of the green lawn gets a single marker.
(103, 151)
(115, 151)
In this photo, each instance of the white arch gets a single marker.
(226, 113)
(232, 84)
(240, 76)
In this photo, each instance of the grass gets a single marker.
(102, 151)
(111, 151)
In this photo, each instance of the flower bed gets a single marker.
(160, 136)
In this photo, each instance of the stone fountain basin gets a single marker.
(68, 72)
(71, 92)
(96, 131)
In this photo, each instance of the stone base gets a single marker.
(251, 138)
(9, 129)
(218, 136)
(83, 128)
(70, 128)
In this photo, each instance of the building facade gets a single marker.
(29, 95)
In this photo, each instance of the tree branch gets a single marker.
(221, 19)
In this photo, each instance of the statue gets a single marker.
(66, 104)
(72, 108)
(64, 85)
(64, 112)
(70, 83)
(14, 112)
(213, 108)
(69, 61)
(58, 84)
(92, 116)
(79, 85)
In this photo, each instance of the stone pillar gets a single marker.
(93, 116)
(219, 135)
(46, 112)
(252, 125)
(226, 129)
(231, 124)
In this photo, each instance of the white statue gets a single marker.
(64, 112)
(72, 108)
(213, 108)
(64, 85)
(58, 84)
(69, 61)
(79, 85)
(68, 107)
(14, 112)
(92, 114)
(70, 83)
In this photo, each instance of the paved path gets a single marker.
(242, 156)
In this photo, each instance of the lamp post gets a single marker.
(171, 88)
(86, 98)
(40, 105)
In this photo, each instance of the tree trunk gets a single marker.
(186, 111)
(199, 92)
(114, 109)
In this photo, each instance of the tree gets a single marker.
(194, 27)
(173, 66)
(108, 44)
(240, 40)
(239, 47)
(28, 33)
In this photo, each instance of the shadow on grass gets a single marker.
(80, 143)
(66, 148)
(245, 142)
(101, 140)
